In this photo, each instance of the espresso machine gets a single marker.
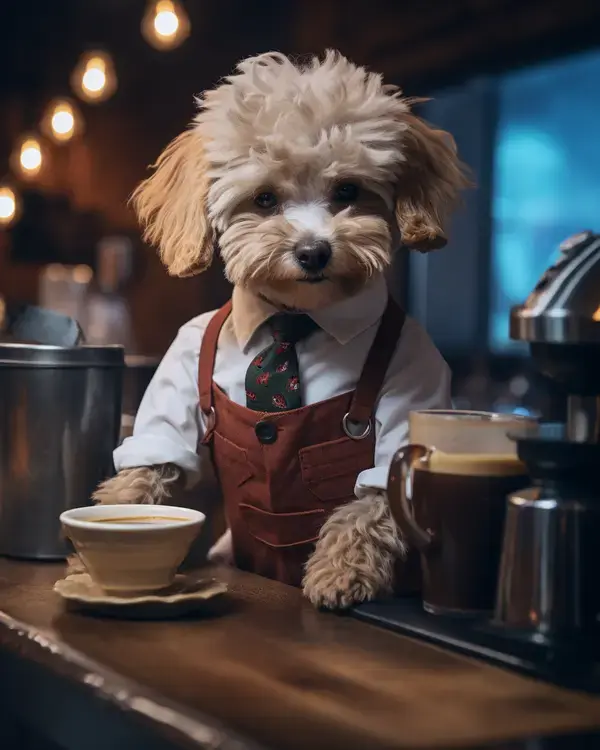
(548, 586)
(546, 620)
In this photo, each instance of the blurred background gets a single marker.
(92, 90)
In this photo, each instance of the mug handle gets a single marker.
(400, 493)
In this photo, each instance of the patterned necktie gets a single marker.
(273, 378)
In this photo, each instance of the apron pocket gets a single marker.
(329, 470)
(279, 530)
(232, 460)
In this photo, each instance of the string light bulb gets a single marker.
(165, 25)
(62, 121)
(28, 156)
(9, 206)
(94, 79)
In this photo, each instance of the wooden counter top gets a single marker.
(267, 672)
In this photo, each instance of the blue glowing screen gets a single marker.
(546, 176)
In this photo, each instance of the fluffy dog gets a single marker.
(278, 152)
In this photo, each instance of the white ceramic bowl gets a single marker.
(131, 549)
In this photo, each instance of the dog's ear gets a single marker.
(429, 183)
(171, 206)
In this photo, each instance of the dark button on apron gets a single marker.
(266, 432)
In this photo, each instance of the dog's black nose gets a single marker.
(313, 255)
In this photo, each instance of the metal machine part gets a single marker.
(550, 553)
(564, 306)
(561, 321)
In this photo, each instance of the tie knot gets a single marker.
(291, 327)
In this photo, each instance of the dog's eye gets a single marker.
(266, 200)
(347, 192)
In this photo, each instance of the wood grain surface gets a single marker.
(267, 667)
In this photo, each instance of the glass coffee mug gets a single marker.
(447, 492)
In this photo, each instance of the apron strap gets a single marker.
(375, 368)
(367, 389)
(206, 365)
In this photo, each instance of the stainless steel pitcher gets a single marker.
(60, 414)
(548, 582)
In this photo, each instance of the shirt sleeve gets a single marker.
(418, 378)
(168, 424)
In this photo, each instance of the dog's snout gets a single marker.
(313, 255)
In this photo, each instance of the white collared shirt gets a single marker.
(169, 422)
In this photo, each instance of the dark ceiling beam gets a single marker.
(499, 40)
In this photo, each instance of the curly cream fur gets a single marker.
(298, 130)
(355, 554)
(171, 206)
(150, 485)
(428, 190)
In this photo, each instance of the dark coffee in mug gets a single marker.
(462, 504)
(447, 491)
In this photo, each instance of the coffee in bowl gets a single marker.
(447, 492)
(132, 549)
(141, 520)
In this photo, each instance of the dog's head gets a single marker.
(306, 177)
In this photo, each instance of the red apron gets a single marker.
(282, 474)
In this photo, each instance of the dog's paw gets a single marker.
(329, 588)
(353, 561)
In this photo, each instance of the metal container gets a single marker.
(550, 559)
(547, 584)
(60, 414)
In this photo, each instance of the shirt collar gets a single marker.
(343, 320)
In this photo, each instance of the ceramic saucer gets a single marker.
(185, 596)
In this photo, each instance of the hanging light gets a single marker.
(62, 121)
(94, 78)
(28, 156)
(165, 25)
(9, 205)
